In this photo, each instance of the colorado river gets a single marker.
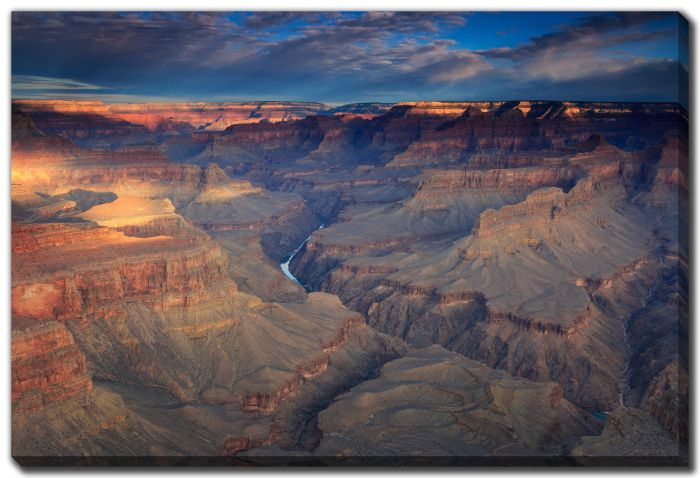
(285, 265)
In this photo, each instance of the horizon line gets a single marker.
(337, 104)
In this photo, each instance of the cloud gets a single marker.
(267, 20)
(27, 82)
(650, 80)
(596, 31)
(208, 40)
(324, 56)
(405, 22)
(581, 50)
(105, 97)
(103, 43)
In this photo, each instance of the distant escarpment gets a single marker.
(503, 134)
(100, 124)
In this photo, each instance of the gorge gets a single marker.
(285, 265)
(288, 282)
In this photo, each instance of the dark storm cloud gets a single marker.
(325, 56)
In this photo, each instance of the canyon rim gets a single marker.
(350, 238)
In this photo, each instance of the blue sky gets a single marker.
(342, 57)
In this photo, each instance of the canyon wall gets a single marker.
(542, 244)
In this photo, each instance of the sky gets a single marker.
(348, 57)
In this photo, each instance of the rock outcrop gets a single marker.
(631, 432)
(47, 366)
(107, 268)
(436, 403)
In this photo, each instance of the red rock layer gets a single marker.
(66, 271)
(47, 366)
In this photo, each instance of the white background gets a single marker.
(691, 10)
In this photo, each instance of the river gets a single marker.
(285, 265)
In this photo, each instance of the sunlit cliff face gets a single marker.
(202, 116)
(35, 175)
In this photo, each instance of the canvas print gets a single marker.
(349, 238)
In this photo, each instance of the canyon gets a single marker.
(284, 283)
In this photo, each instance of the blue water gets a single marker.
(285, 265)
(602, 416)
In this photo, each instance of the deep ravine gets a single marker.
(285, 265)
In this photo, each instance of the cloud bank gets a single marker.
(342, 57)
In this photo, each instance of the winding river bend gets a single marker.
(285, 265)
